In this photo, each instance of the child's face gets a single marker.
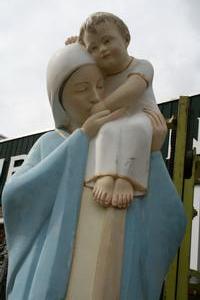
(107, 46)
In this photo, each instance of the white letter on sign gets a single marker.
(15, 163)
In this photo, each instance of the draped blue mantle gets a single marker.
(41, 205)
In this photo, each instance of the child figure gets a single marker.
(119, 154)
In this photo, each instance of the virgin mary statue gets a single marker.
(64, 245)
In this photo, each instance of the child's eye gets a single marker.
(106, 41)
(92, 49)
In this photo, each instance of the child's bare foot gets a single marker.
(103, 190)
(122, 194)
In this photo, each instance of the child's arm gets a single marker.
(124, 95)
(129, 91)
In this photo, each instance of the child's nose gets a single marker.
(103, 48)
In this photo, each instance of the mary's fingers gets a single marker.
(156, 117)
(163, 122)
(101, 114)
(153, 118)
(161, 118)
(152, 114)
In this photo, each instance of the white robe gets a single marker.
(122, 147)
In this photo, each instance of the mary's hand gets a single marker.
(94, 122)
(159, 129)
(100, 106)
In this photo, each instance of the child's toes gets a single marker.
(115, 200)
(95, 192)
(120, 201)
(129, 199)
(123, 203)
(103, 199)
(99, 195)
(107, 200)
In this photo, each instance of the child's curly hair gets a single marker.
(101, 17)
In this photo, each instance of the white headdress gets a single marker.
(61, 65)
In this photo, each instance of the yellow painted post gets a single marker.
(178, 178)
(184, 254)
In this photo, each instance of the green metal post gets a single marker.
(184, 254)
(178, 178)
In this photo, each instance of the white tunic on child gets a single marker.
(122, 147)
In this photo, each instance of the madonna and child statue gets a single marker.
(92, 213)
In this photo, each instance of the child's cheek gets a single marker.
(96, 57)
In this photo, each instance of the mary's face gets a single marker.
(84, 88)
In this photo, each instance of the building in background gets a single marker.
(2, 137)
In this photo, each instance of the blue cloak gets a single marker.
(41, 205)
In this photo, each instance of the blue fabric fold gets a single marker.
(155, 226)
(41, 206)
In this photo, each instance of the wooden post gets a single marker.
(184, 254)
(178, 178)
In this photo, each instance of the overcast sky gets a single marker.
(164, 32)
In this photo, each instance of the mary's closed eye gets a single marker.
(81, 87)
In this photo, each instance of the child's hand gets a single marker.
(71, 40)
(100, 106)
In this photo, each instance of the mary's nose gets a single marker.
(95, 96)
